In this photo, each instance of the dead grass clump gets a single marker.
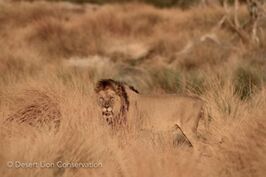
(36, 109)
(247, 81)
(255, 57)
(195, 82)
(167, 46)
(26, 13)
(15, 67)
(52, 37)
(244, 148)
(167, 80)
(204, 54)
(204, 18)
(176, 81)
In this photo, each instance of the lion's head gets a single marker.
(113, 100)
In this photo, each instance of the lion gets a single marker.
(113, 100)
(167, 112)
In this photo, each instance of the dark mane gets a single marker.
(117, 86)
(132, 88)
(106, 83)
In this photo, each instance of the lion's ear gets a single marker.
(98, 87)
(120, 90)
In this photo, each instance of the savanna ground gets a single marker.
(55, 52)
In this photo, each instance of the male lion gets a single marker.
(160, 113)
(113, 100)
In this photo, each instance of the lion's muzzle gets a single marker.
(107, 114)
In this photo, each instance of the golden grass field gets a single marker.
(51, 55)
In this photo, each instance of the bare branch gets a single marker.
(237, 24)
(225, 5)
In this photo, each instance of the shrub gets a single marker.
(195, 83)
(246, 82)
(168, 80)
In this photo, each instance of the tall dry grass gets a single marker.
(56, 52)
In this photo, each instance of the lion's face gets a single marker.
(109, 103)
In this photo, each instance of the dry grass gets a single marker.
(51, 54)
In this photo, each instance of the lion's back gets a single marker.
(164, 111)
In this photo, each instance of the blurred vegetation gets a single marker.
(103, 44)
(169, 3)
(168, 80)
(247, 81)
(180, 82)
(158, 3)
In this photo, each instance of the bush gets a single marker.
(168, 80)
(195, 83)
(175, 81)
(246, 82)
